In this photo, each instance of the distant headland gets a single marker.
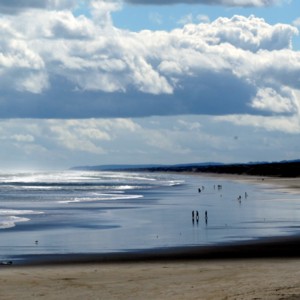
(277, 169)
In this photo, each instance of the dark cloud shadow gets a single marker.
(207, 94)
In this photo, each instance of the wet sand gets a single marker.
(257, 270)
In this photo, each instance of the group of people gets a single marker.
(195, 216)
(240, 197)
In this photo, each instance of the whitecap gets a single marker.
(105, 197)
(10, 221)
(12, 212)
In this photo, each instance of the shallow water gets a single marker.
(94, 212)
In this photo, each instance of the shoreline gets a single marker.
(240, 279)
(275, 247)
(266, 268)
(257, 271)
(288, 184)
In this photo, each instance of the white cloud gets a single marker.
(69, 67)
(269, 99)
(191, 126)
(164, 142)
(23, 138)
(283, 124)
(54, 64)
(21, 68)
(101, 11)
(252, 34)
(65, 143)
(87, 135)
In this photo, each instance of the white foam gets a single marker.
(128, 187)
(12, 212)
(175, 182)
(103, 198)
(9, 217)
(10, 221)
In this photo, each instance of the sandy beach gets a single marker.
(199, 279)
(288, 184)
(260, 270)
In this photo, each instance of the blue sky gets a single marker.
(167, 17)
(135, 82)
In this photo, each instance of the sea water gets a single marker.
(103, 212)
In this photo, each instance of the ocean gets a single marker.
(83, 212)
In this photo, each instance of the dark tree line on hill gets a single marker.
(278, 169)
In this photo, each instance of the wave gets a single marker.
(175, 182)
(9, 217)
(105, 197)
(12, 212)
(11, 221)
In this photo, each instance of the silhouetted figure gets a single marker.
(199, 190)
(197, 216)
(206, 217)
(239, 199)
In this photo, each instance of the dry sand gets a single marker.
(215, 279)
(284, 183)
(247, 278)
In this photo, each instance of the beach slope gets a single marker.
(213, 279)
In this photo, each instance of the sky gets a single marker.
(97, 82)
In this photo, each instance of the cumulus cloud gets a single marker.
(65, 143)
(272, 100)
(88, 135)
(239, 3)
(56, 65)
(283, 124)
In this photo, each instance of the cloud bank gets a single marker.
(56, 65)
